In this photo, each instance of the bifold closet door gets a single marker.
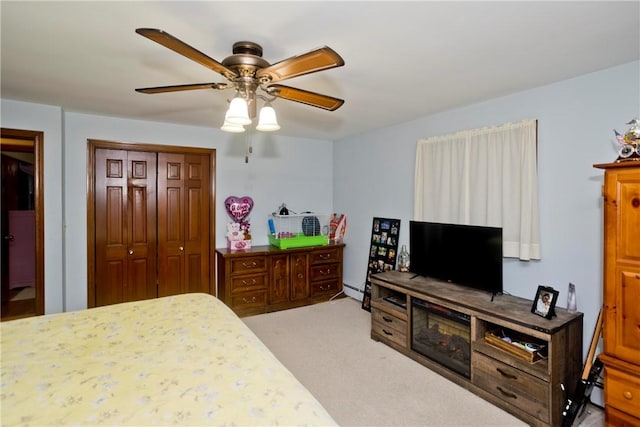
(125, 232)
(183, 223)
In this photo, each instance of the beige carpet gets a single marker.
(362, 382)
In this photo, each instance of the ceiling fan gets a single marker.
(247, 72)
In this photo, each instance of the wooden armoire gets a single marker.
(621, 329)
(150, 222)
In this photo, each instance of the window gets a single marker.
(484, 177)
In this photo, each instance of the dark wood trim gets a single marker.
(92, 145)
(37, 137)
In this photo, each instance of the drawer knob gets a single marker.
(387, 319)
(325, 256)
(325, 288)
(249, 282)
(325, 272)
(249, 264)
(387, 332)
(246, 301)
(628, 395)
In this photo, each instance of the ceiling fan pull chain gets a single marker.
(249, 147)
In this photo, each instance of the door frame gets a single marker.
(37, 138)
(92, 146)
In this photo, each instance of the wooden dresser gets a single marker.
(267, 278)
(621, 330)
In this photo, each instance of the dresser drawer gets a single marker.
(622, 391)
(325, 255)
(249, 300)
(243, 265)
(615, 418)
(325, 271)
(513, 386)
(324, 287)
(254, 282)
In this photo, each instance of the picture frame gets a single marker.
(385, 233)
(544, 303)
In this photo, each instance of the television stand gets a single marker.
(527, 384)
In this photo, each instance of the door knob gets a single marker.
(9, 237)
(130, 251)
(181, 248)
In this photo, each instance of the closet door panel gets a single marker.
(141, 230)
(125, 226)
(170, 224)
(195, 281)
(197, 182)
(152, 223)
(110, 233)
(109, 286)
(170, 282)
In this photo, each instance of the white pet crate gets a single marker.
(299, 230)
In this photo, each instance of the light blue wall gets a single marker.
(293, 170)
(373, 175)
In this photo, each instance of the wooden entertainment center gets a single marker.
(509, 377)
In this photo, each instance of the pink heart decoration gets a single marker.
(238, 208)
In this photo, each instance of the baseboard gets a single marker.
(352, 291)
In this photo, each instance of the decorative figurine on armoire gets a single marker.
(630, 142)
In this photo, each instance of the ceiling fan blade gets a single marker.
(176, 88)
(310, 62)
(169, 41)
(305, 97)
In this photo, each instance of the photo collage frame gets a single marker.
(383, 252)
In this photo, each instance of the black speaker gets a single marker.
(311, 226)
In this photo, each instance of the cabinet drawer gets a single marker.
(389, 322)
(622, 391)
(325, 271)
(325, 287)
(615, 418)
(385, 331)
(325, 255)
(248, 283)
(520, 389)
(249, 299)
(248, 264)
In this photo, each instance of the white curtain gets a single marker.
(483, 177)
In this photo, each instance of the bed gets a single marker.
(179, 360)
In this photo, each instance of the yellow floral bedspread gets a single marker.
(179, 360)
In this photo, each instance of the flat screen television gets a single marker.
(466, 255)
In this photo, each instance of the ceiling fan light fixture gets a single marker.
(238, 113)
(246, 72)
(227, 126)
(268, 121)
(232, 128)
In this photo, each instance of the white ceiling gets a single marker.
(404, 60)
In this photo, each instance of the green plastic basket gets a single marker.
(299, 241)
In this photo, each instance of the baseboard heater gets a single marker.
(353, 287)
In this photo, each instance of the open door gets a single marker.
(22, 223)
